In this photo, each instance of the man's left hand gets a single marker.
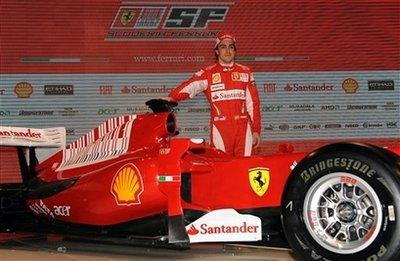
(256, 139)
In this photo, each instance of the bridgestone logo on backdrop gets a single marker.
(166, 21)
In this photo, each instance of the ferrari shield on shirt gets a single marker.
(234, 105)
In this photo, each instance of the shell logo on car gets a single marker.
(259, 180)
(127, 185)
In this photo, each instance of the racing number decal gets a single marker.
(259, 180)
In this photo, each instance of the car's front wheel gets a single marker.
(342, 202)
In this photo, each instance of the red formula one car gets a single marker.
(132, 180)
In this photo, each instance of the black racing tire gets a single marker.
(342, 202)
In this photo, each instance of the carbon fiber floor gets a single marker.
(19, 247)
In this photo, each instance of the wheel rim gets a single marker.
(342, 213)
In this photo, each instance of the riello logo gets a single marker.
(205, 229)
(163, 20)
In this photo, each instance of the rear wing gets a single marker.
(29, 137)
(22, 148)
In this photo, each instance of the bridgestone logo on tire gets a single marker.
(347, 163)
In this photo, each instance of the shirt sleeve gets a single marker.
(253, 105)
(190, 88)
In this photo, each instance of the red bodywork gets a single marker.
(130, 167)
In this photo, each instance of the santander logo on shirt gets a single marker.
(225, 225)
(235, 94)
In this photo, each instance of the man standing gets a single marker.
(235, 106)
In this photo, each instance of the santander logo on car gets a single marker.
(225, 225)
(224, 229)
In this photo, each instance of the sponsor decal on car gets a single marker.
(23, 90)
(350, 85)
(343, 162)
(40, 208)
(127, 185)
(100, 144)
(259, 180)
(224, 225)
(24, 133)
(19, 136)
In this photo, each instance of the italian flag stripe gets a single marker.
(168, 178)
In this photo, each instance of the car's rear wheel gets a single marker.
(343, 202)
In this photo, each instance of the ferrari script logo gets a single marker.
(259, 180)
(127, 185)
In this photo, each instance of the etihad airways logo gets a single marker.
(163, 20)
(228, 95)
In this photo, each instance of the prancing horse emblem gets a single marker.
(259, 180)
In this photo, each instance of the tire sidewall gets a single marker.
(385, 244)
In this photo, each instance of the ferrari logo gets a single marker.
(259, 180)
(235, 76)
(127, 16)
(127, 185)
(216, 78)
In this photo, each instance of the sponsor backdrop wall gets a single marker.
(324, 70)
